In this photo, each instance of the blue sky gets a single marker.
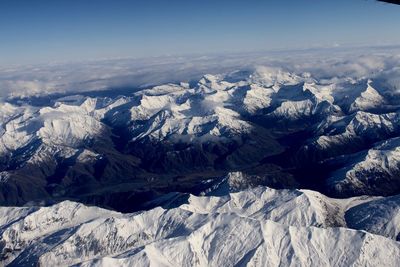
(45, 31)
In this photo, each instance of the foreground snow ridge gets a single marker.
(255, 227)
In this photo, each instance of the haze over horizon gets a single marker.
(48, 31)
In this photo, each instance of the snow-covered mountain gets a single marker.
(254, 227)
(268, 123)
(375, 170)
(370, 99)
(69, 165)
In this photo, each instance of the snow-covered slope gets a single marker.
(220, 243)
(256, 227)
(381, 216)
(348, 134)
(369, 99)
(209, 111)
(181, 174)
(268, 122)
(374, 171)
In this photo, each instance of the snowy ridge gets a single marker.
(370, 170)
(261, 244)
(381, 216)
(178, 113)
(253, 227)
(369, 99)
(95, 175)
(269, 120)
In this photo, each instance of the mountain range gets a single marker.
(204, 173)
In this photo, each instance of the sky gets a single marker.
(43, 31)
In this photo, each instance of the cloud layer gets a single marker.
(324, 65)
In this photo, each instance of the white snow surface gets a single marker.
(214, 109)
(255, 227)
(369, 99)
(379, 162)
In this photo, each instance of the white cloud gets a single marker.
(328, 64)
